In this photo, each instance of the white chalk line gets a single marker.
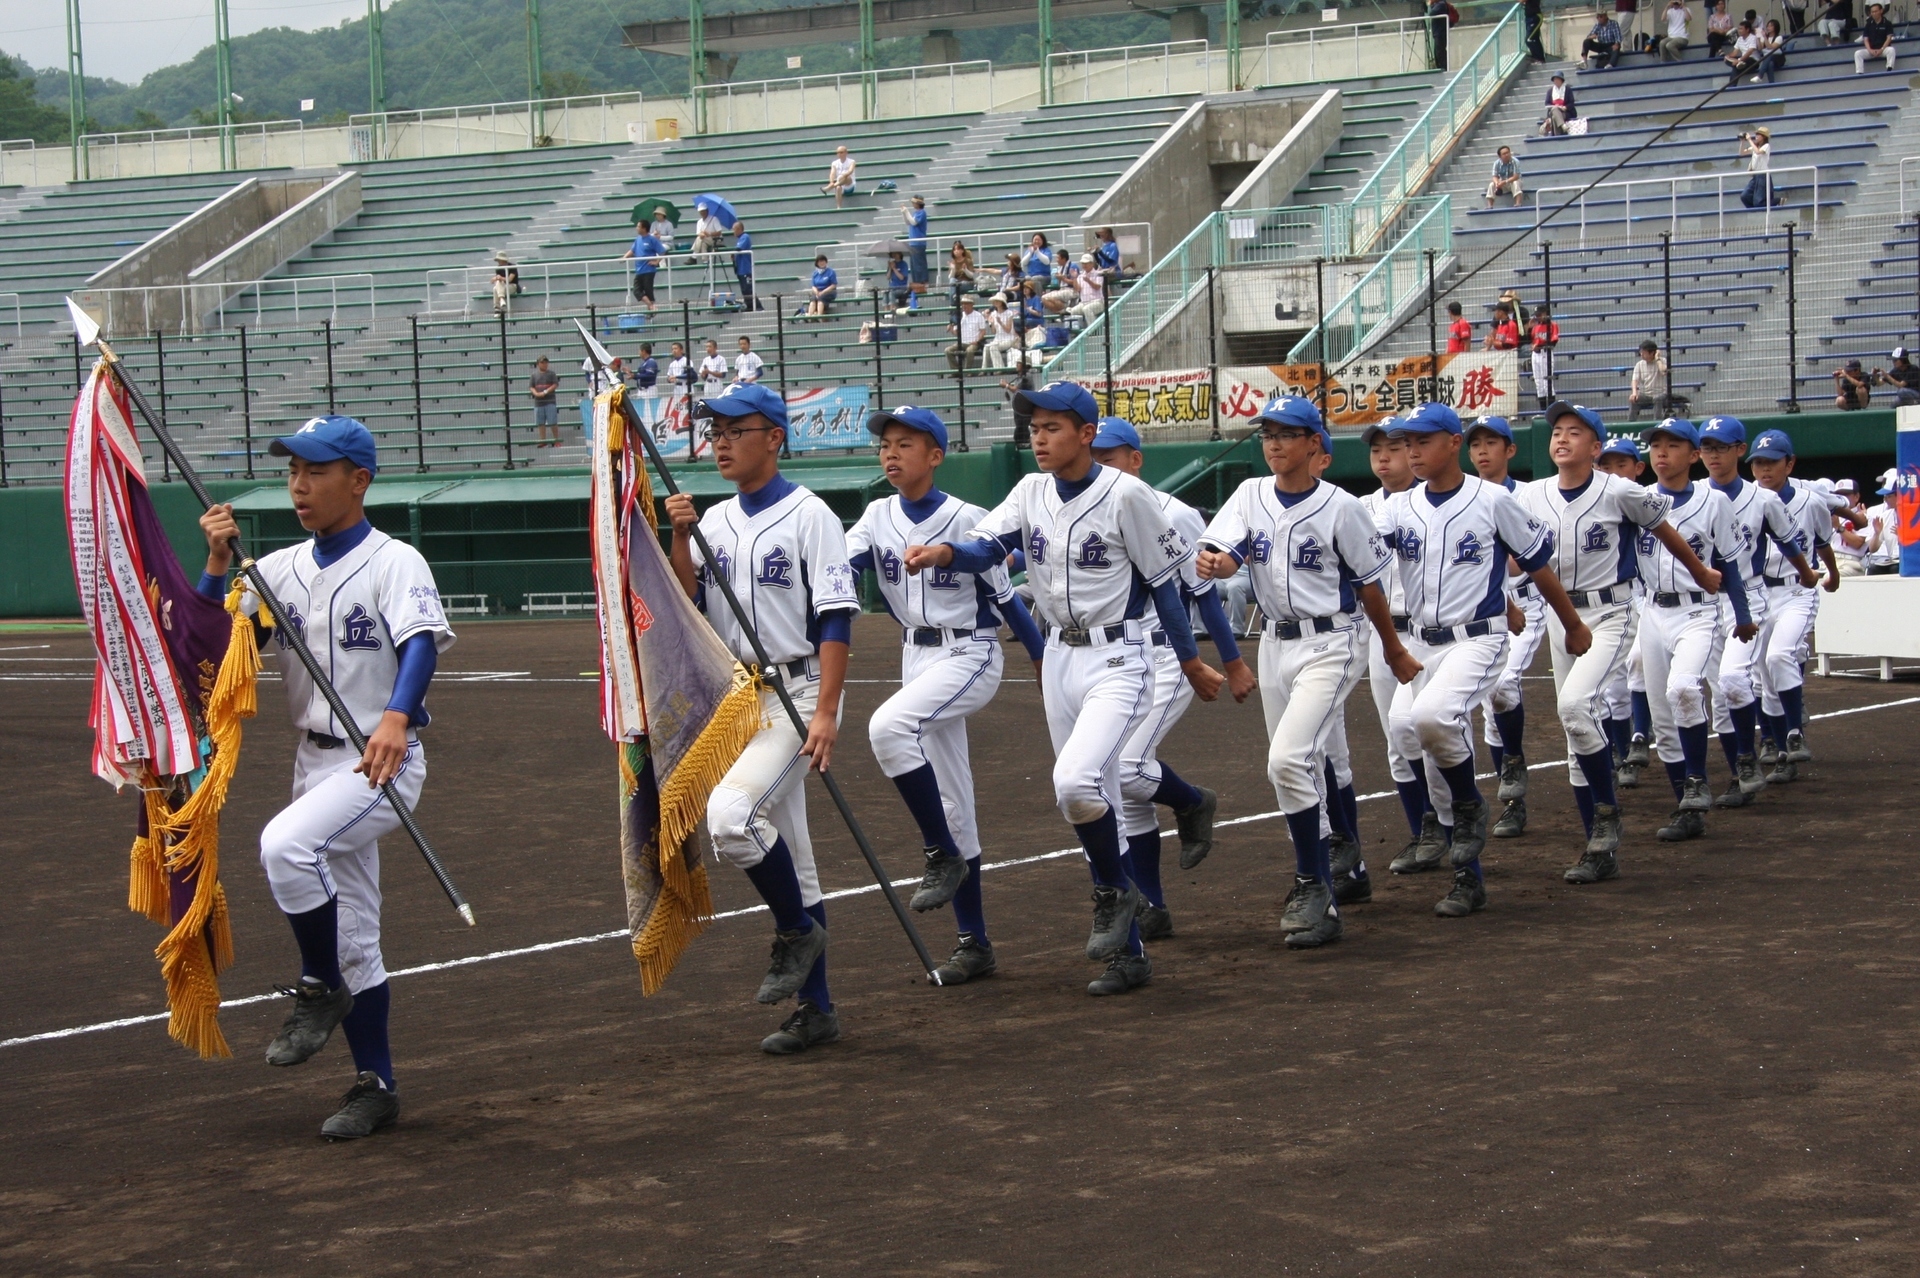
(622, 934)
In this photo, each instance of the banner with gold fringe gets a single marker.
(175, 675)
(678, 706)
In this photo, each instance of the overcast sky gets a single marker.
(125, 39)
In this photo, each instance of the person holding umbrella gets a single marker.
(713, 216)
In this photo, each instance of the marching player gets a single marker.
(1596, 518)
(1680, 635)
(1625, 705)
(782, 550)
(1791, 606)
(1453, 533)
(1144, 779)
(1097, 548)
(950, 666)
(368, 608)
(1316, 556)
(1760, 521)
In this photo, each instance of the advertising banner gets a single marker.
(1156, 401)
(833, 417)
(1362, 391)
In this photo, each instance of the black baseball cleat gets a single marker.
(1752, 780)
(1113, 914)
(1784, 770)
(1769, 754)
(807, 1027)
(1626, 777)
(1695, 796)
(1639, 756)
(1196, 828)
(317, 1011)
(1469, 831)
(1604, 839)
(943, 878)
(1513, 820)
(794, 954)
(1469, 895)
(1124, 972)
(1351, 886)
(1736, 795)
(1684, 824)
(1513, 777)
(1425, 852)
(1593, 867)
(1154, 921)
(1311, 919)
(972, 957)
(365, 1109)
(1797, 751)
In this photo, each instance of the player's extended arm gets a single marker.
(1373, 601)
(387, 744)
(1669, 536)
(1020, 621)
(1736, 591)
(836, 632)
(1579, 638)
(1172, 611)
(1240, 678)
(975, 555)
(1833, 568)
(683, 516)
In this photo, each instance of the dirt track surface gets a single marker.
(1703, 1068)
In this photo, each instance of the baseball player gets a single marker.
(1453, 533)
(950, 666)
(1760, 520)
(1596, 518)
(783, 551)
(1680, 633)
(1144, 779)
(1351, 883)
(1621, 456)
(1097, 547)
(1490, 447)
(369, 610)
(1791, 607)
(1316, 555)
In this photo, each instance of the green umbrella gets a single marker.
(644, 210)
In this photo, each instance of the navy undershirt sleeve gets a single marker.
(983, 553)
(1172, 610)
(1020, 621)
(862, 562)
(211, 586)
(1219, 629)
(1735, 588)
(836, 627)
(419, 656)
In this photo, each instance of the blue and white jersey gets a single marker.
(1760, 519)
(1595, 527)
(1309, 552)
(1812, 520)
(944, 598)
(1189, 523)
(788, 565)
(1453, 551)
(1093, 558)
(1374, 503)
(1703, 517)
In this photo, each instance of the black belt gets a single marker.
(324, 741)
(1403, 623)
(1526, 590)
(1082, 637)
(1677, 598)
(933, 636)
(1159, 639)
(1304, 626)
(1436, 636)
(1773, 581)
(792, 669)
(1618, 592)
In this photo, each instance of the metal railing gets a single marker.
(1128, 69)
(1358, 318)
(202, 308)
(569, 287)
(13, 299)
(989, 249)
(1673, 197)
(786, 102)
(1911, 159)
(1427, 142)
(532, 122)
(1336, 51)
(112, 155)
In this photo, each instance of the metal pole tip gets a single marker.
(466, 912)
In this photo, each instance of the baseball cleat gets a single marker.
(1626, 777)
(794, 954)
(1769, 754)
(1751, 779)
(1513, 820)
(972, 957)
(1797, 751)
(1351, 885)
(1784, 770)
(1468, 895)
(1695, 796)
(1469, 831)
(1113, 914)
(807, 1027)
(1307, 909)
(1605, 837)
(1124, 972)
(1513, 777)
(943, 878)
(1196, 828)
(1424, 853)
(1154, 921)
(316, 1012)
(365, 1109)
(1684, 824)
(1593, 867)
(1638, 754)
(1735, 797)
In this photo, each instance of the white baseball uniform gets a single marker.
(1787, 636)
(1521, 648)
(1680, 630)
(787, 563)
(354, 614)
(1759, 518)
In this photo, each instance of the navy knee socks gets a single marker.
(1175, 793)
(1510, 726)
(1143, 866)
(814, 988)
(1583, 799)
(1597, 768)
(1460, 782)
(1693, 749)
(968, 913)
(1311, 855)
(921, 790)
(1793, 702)
(1101, 839)
(1642, 715)
(1677, 777)
(1414, 800)
(779, 886)
(317, 932)
(366, 1030)
(1746, 724)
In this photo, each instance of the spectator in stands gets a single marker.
(841, 181)
(662, 229)
(970, 328)
(1560, 108)
(899, 282)
(823, 288)
(1876, 40)
(1851, 389)
(743, 267)
(1904, 377)
(646, 371)
(1719, 29)
(914, 213)
(1033, 312)
(709, 232)
(544, 386)
(1505, 334)
(1459, 331)
(646, 253)
(1834, 21)
(1506, 178)
(1106, 253)
(747, 364)
(1063, 268)
(506, 282)
(1005, 334)
(680, 371)
(1772, 53)
(1601, 48)
(1544, 335)
(1515, 307)
(1091, 287)
(1440, 16)
(1757, 147)
(961, 273)
(1647, 390)
(1531, 18)
(713, 369)
(1796, 16)
(1038, 263)
(1743, 55)
(1679, 20)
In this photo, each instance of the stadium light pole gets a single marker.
(536, 79)
(376, 61)
(223, 82)
(869, 60)
(697, 66)
(1046, 51)
(1233, 44)
(76, 92)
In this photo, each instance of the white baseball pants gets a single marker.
(1303, 691)
(926, 722)
(1433, 715)
(763, 798)
(1382, 684)
(1737, 677)
(1577, 681)
(1679, 648)
(1521, 650)
(1139, 760)
(1096, 697)
(1786, 640)
(326, 844)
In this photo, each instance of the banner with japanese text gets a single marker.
(831, 417)
(1156, 401)
(1362, 391)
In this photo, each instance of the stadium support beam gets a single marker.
(223, 83)
(76, 93)
(376, 61)
(1233, 44)
(869, 93)
(697, 62)
(536, 78)
(1046, 51)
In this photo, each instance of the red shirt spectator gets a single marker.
(1459, 331)
(1506, 334)
(1544, 333)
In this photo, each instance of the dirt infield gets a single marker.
(1704, 1068)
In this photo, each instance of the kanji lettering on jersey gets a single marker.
(356, 631)
(776, 568)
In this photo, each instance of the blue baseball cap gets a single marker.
(1429, 419)
(1385, 426)
(1588, 418)
(1679, 428)
(743, 399)
(1622, 446)
(1117, 432)
(1723, 430)
(1773, 444)
(1061, 397)
(1296, 411)
(924, 420)
(1498, 425)
(325, 439)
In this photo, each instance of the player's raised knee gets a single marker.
(895, 740)
(730, 821)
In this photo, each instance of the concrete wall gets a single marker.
(1286, 164)
(1169, 186)
(290, 233)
